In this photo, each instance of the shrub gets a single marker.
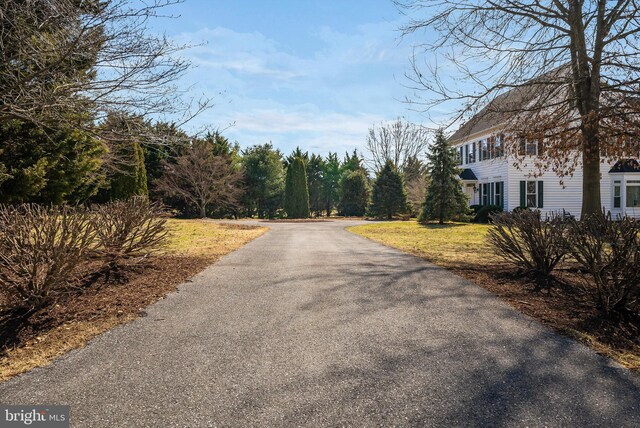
(533, 244)
(129, 230)
(609, 252)
(41, 252)
(484, 213)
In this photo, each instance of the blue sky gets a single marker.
(310, 73)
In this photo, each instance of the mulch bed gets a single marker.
(105, 298)
(563, 308)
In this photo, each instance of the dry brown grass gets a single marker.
(193, 245)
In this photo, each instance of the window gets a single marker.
(617, 202)
(485, 194)
(522, 146)
(471, 158)
(499, 149)
(459, 155)
(531, 148)
(491, 151)
(532, 194)
(484, 151)
(466, 153)
(633, 194)
(497, 196)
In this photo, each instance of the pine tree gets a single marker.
(389, 196)
(296, 201)
(444, 199)
(354, 194)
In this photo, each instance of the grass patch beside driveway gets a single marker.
(446, 245)
(463, 248)
(193, 245)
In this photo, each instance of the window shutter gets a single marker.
(540, 194)
(523, 194)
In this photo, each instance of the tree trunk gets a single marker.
(591, 203)
(203, 211)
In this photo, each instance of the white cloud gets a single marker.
(322, 100)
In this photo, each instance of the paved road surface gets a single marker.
(310, 325)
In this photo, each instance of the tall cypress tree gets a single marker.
(131, 178)
(315, 176)
(330, 182)
(389, 196)
(444, 199)
(296, 200)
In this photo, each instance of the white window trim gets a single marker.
(534, 194)
(627, 184)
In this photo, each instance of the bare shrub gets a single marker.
(129, 230)
(41, 251)
(532, 243)
(609, 253)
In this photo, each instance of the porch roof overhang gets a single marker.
(468, 175)
(625, 166)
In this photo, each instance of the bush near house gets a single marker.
(608, 252)
(533, 244)
(484, 213)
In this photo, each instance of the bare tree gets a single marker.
(397, 141)
(566, 73)
(201, 179)
(62, 61)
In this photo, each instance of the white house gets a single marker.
(490, 177)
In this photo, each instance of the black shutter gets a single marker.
(540, 194)
(523, 194)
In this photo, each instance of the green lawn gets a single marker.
(447, 245)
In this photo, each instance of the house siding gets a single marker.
(558, 197)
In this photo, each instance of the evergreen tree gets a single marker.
(264, 180)
(389, 196)
(315, 176)
(444, 199)
(297, 153)
(296, 198)
(354, 194)
(48, 166)
(331, 182)
(353, 163)
(162, 142)
(130, 179)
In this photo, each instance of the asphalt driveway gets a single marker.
(310, 325)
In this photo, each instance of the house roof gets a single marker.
(467, 174)
(509, 103)
(625, 165)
